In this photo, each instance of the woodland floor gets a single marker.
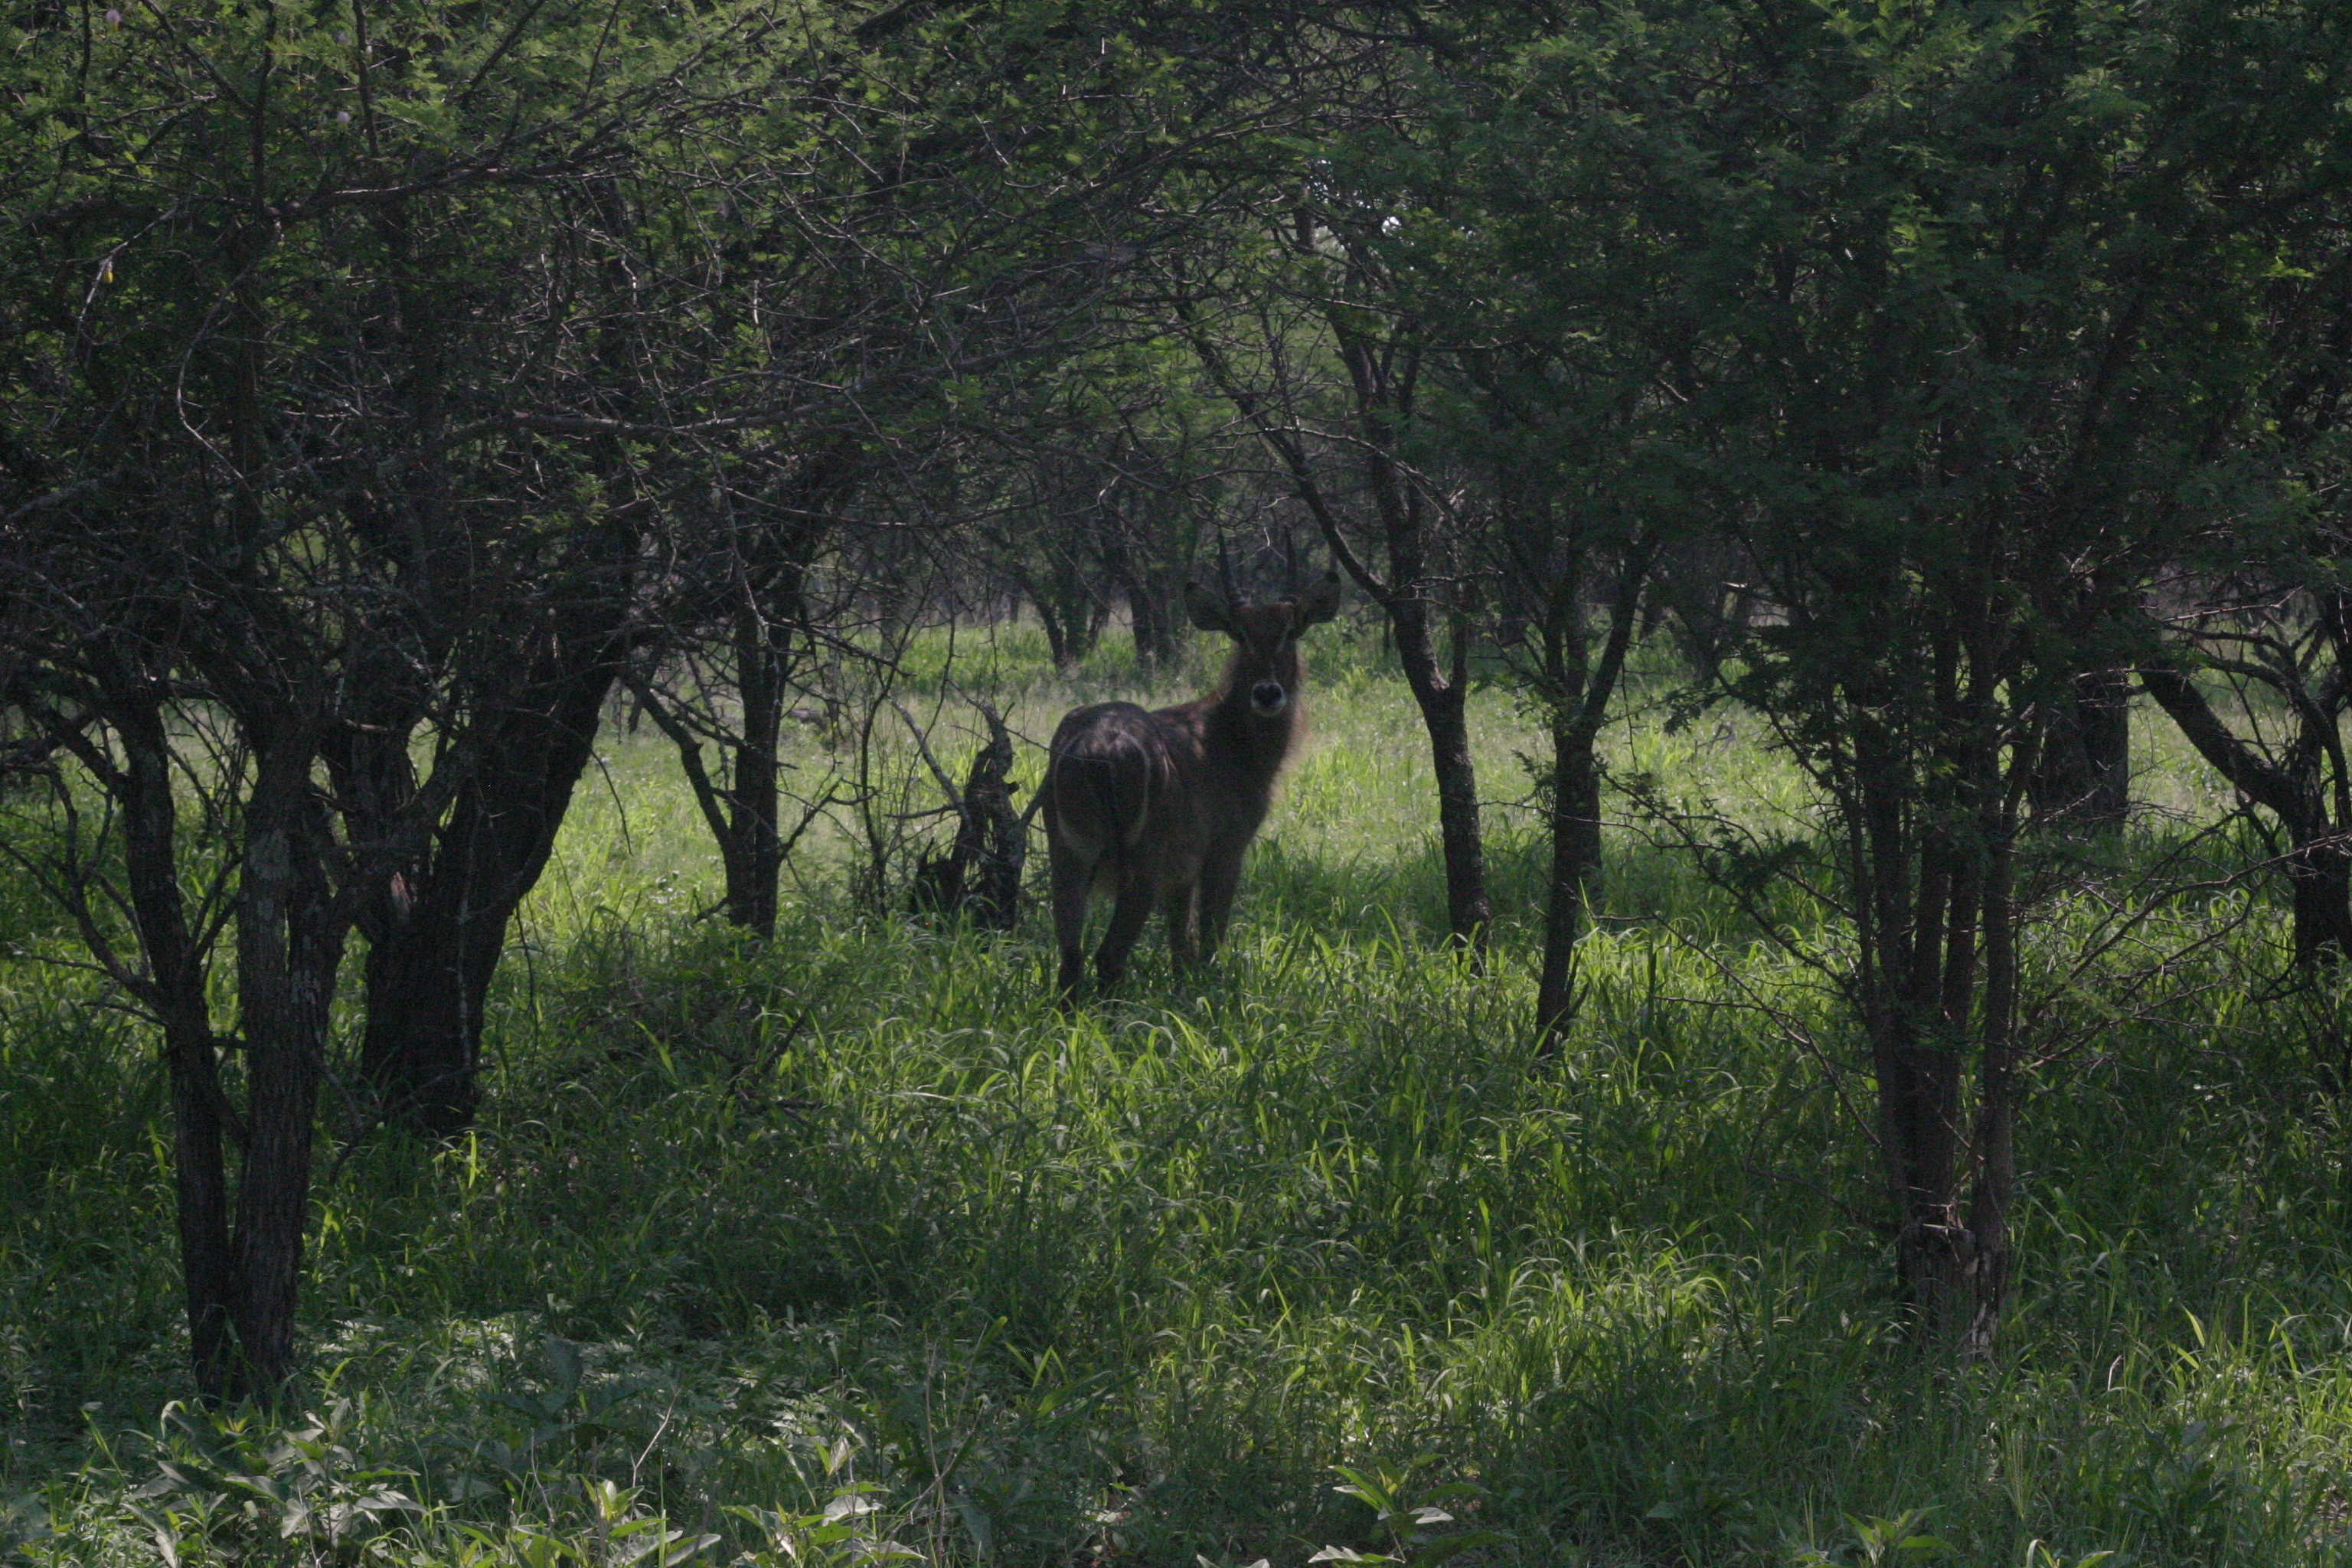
(852, 1239)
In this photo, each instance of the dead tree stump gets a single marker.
(980, 876)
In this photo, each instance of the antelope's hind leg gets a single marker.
(1183, 919)
(1126, 918)
(1073, 880)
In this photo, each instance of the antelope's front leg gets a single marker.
(1221, 877)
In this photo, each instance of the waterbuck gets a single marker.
(1158, 807)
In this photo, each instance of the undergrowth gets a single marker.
(850, 1247)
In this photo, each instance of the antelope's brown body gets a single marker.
(1156, 808)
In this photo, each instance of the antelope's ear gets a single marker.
(1208, 610)
(1319, 604)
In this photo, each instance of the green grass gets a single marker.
(745, 1229)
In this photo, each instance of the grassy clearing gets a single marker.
(787, 1254)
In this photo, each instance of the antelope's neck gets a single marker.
(1258, 745)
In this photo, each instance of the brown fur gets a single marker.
(1157, 809)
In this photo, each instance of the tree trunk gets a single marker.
(2319, 873)
(375, 788)
(1995, 1143)
(2083, 774)
(425, 1001)
(1575, 799)
(2105, 716)
(1575, 861)
(1058, 646)
(1909, 906)
(1144, 615)
(1469, 912)
(1918, 1081)
(750, 848)
(1931, 821)
(742, 813)
(1578, 692)
(1383, 399)
(2319, 863)
(199, 1111)
(289, 945)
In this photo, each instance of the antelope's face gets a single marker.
(1266, 656)
(1264, 669)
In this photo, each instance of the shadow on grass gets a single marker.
(1404, 896)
